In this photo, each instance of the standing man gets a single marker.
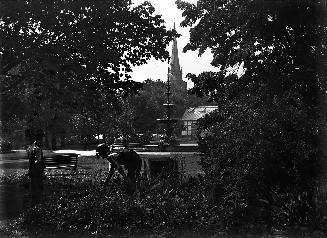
(36, 171)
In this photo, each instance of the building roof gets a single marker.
(195, 113)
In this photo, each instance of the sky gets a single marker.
(189, 61)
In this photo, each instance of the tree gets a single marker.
(147, 106)
(59, 55)
(282, 45)
(266, 141)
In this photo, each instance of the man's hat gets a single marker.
(102, 150)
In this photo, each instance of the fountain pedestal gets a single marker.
(169, 138)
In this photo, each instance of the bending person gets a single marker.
(127, 158)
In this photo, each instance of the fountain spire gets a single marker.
(168, 121)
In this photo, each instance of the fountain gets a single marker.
(168, 154)
(169, 137)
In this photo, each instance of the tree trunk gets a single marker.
(53, 142)
(46, 141)
(62, 140)
(85, 144)
(0, 57)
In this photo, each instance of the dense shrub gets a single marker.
(72, 140)
(142, 138)
(80, 205)
(262, 161)
(77, 204)
(5, 145)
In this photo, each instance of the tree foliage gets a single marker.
(147, 106)
(282, 45)
(67, 55)
(264, 146)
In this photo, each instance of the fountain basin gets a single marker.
(171, 121)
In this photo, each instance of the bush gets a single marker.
(72, 140)
(5, 145)
(261, 161)
(80, 204)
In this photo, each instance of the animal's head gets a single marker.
(103, 150)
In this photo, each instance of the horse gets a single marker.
(128, 158)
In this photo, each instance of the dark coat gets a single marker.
(36, 161)
(126, 157)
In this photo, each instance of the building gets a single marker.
(190, 117)
(176, 74)
(178, 86)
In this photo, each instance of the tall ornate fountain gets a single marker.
(169, 137)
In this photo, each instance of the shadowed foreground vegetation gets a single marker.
(80, 206)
